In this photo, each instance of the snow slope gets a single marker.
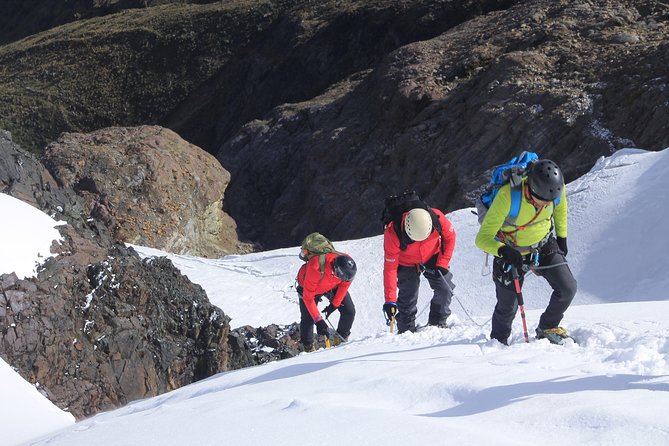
(443, 386)
(26, 237)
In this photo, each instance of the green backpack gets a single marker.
(316, 244)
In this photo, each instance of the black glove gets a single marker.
(327, 311)
(562, 244)
(443, 271)
(511, 256)
(322, 328)
(390, 308)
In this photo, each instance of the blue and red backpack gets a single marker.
(512, 173)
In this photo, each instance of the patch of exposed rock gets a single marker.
(24, 177)
(94, 338)
(150, 187)
(98, 327)
(253, 346)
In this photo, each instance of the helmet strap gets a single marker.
(530, 197)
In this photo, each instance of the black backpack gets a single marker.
(397, 205)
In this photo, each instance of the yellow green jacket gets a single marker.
(494, 221)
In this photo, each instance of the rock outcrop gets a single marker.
(150, 187)
(94, 338)
(98, 326)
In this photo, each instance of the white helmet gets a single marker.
(418, 224)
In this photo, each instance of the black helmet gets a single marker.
(344, 268)
(545, 180)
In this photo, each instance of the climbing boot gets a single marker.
(555, 335)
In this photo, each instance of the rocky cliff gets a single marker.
(572, 80)
(320, 109)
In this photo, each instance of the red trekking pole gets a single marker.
(521, 304)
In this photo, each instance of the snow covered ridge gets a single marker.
(610, 388)
(26, 237)
(618, 219)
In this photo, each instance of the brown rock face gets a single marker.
(24, 177)
(94, 338)
(149, 186)
(97, 329)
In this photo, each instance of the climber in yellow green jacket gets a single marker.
(536, 239)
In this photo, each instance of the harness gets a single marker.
(510, 238)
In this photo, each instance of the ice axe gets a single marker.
(334, 331)
(521, 303)
(391, 320)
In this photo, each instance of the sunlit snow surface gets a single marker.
(445, 386)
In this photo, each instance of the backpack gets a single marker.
(397, 205)
(513, 173)
(316, 244)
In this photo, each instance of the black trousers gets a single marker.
(346, 317)
(408, 283)
(559, 278)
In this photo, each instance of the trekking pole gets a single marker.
(327, 341)
(392, 323)
(521, 304)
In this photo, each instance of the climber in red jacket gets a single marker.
(423, 244)
(332, 283)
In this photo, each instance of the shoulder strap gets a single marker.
(397, 227)
(514, 210)
(436, 226)
(322, 260)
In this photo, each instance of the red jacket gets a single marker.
(416, 253)
(309, 277)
